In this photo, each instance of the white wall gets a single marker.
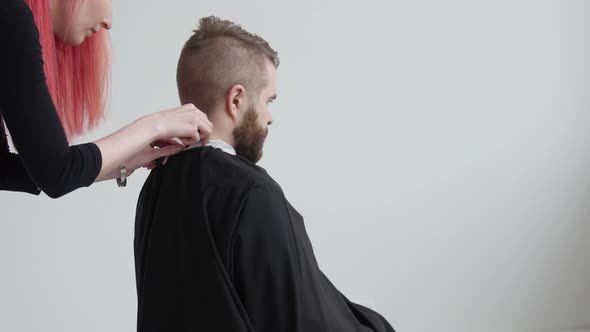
(439, 150)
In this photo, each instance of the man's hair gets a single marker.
(219, 55)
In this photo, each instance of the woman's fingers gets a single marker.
(204, 129)
(185, 121)
(165, 142)
(151, 165)
(204, 140)
(190, 140)
(167, 151)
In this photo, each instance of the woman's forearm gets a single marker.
(118, 147)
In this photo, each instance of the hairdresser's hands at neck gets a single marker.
(150, 138)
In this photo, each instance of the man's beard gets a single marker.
(249, 137)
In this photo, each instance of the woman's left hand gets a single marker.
(148, 156)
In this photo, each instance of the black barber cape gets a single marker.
(218, 248)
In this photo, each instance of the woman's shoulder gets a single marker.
(16, 11)
(10, 5)
(18, 30)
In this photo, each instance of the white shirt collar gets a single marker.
(218, 144)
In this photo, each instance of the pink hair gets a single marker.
(78, 77)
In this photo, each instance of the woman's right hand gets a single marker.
(134, 144)
(186, 122)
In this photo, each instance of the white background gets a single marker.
(439, 150)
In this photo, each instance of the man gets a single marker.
(217, 245)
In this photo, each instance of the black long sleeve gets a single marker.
(45, 159)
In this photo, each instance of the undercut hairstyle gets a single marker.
(219, 55)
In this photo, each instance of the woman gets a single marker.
(53, 87)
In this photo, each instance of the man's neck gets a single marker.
(222, 127)
(224, 138)
(216, 143)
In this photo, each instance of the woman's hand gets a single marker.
(148, 156)
(151, 137)
(187, 123)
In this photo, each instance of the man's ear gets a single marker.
(236, 101)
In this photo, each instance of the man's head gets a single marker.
(230, 74)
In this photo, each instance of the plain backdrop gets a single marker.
(439, 151)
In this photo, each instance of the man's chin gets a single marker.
(252, 156)
(259, 157)
(249, 138)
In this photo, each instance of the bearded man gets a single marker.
(217, 245)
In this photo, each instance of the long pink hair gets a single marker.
(78, 77)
